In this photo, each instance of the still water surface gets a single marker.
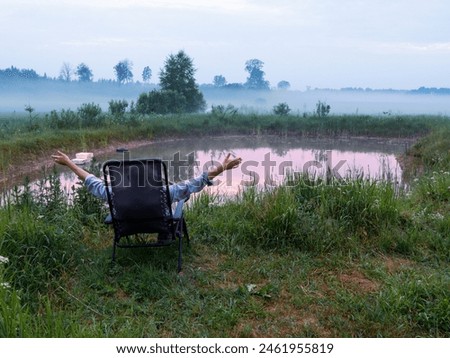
(268, 159)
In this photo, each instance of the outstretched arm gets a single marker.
(182, 191)
(63, 159)
(93, 184)
(228, 163)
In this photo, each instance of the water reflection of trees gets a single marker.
(278, 145)
(280, 150)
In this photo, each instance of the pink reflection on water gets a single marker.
(266, 161)
(263, 168)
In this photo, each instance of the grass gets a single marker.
(346, 258)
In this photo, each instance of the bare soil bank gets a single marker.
(33, 168)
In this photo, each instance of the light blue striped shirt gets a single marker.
(178, 192)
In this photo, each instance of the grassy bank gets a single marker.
(26, 139)
(309, 259)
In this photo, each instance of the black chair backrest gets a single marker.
(138, 196)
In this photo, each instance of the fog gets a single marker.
(44, 96)
(341, 102)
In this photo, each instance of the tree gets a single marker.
(283, 85)
(178, 75)
(219, 81)
(256, 75)
(146, 74)
(84, 73)
(65, 74)
(123, 71)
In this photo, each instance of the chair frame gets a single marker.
(177, 225)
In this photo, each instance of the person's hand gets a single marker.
(230, 163)
(61, 158)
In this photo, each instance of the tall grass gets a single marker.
(308, 214)
(40, 234)
(433, 151)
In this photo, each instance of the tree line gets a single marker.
(123, 73)
(178, 91)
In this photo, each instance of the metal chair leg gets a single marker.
(180, 252)
(114, 251)
(185, 230)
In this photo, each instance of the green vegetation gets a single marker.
(281, 109)
(179, 92)
(322, 109)
(161, 102)
(28, 138)
(178, 76)
(348, 258)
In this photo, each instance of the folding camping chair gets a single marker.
(139, 203)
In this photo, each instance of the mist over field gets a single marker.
(54, 95)
(340, 101)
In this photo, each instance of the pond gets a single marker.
(268, 159)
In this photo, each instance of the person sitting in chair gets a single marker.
(178, 191)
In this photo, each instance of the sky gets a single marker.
(400, 44)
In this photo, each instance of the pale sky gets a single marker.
(401, 44)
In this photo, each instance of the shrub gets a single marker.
(161, 102)
(90, 115)
(281, 109)
(224, 113)
(117, 108)
(66, 119)
(322, 109)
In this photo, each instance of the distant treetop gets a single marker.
(123, 71)
(256, 75)
(13, 73)
(84, 73)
